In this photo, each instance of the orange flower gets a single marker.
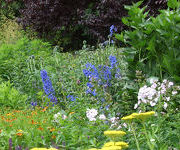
(8, 114)
(53, 137)
(33, 113)
(10, 125)
(8, 120)
(19, 134)
(52, 129)
(44, 121)
(17, 111)
(40, 128)
(33, 122)
(44, 109)
(0, 130)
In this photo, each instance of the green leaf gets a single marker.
(119, 37)
(172, 4)
(125, 21)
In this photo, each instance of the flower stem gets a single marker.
(148, 141)
(134, 133)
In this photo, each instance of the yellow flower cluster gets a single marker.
(112, 148)
(43, 149)
(113, 145)
(141, 116)
(119, 144)
(114, 133)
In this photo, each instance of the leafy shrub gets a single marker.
(153, 42)
(68, 22)
(10, 31)
(15, 55)
(10, 97)
(21, 64)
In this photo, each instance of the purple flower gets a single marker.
(10, 143)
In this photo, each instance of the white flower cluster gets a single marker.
(150, 95)
(57, 117)
(91, 114)
(114, 121)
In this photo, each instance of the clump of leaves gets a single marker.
(11, 97)
(153, 42)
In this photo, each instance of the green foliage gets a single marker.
(153, 43)
(14, 56)
(173, 4)
(10, 97)
(10, 8)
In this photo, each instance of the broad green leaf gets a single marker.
(119, 36)
(125, 21)
(173, 4)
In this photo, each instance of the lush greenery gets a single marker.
(108, 97)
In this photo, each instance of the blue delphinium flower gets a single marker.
(48, 88)
(89, 85)
(113, 61)
(118, 74)
(71, 97)
(91, 72)
(112, 29)
(103, 75)
(94, 92)
(34, 104)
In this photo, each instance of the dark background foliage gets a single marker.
(68, 22)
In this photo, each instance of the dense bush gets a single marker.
(68, 22)
(153, 43)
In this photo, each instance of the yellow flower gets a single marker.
(143, 116)
(93, 149)
(114, 133)
(122, 144)
(20, 130)
(128, 118)
(52, 149)
(112, 148)
(109, 144)
(71, 113)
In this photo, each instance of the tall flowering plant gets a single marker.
(100, 79)
(48, 88)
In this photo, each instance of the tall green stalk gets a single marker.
(134, 133)
(147, 137)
